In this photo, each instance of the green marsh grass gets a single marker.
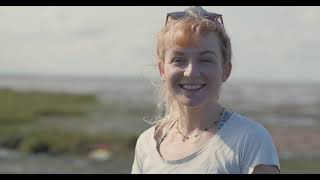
(20, 112)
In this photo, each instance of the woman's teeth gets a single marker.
(192, 86)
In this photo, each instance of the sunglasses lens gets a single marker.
(176, 15)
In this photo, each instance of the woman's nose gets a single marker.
(192, 70)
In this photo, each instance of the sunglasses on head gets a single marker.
(182, 14)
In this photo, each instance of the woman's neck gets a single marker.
(195, 119)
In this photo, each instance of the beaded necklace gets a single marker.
(206, 129)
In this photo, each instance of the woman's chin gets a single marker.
(191, 102)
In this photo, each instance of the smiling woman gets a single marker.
(194, 132)
(194, 73)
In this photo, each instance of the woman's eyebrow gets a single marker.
(207, 52)
(179, 53)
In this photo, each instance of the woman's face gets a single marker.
(194, 74)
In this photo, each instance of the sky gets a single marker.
(269, 43)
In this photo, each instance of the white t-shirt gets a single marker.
(236, 148)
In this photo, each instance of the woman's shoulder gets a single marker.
(246, 126)
(153, 133)
(146, 135)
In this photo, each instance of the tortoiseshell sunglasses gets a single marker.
(208, 15)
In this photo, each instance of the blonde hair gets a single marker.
(182, 32)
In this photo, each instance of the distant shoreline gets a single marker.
(57, 77)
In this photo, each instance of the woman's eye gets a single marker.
(206, 60)
(177, 60)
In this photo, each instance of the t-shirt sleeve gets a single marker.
(137, 164)
(258, 149)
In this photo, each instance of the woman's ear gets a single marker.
(160, 67)
(227, 67)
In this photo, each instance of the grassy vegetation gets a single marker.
(300, 166)
(24, 107)
(57, 141)
(20, 113)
